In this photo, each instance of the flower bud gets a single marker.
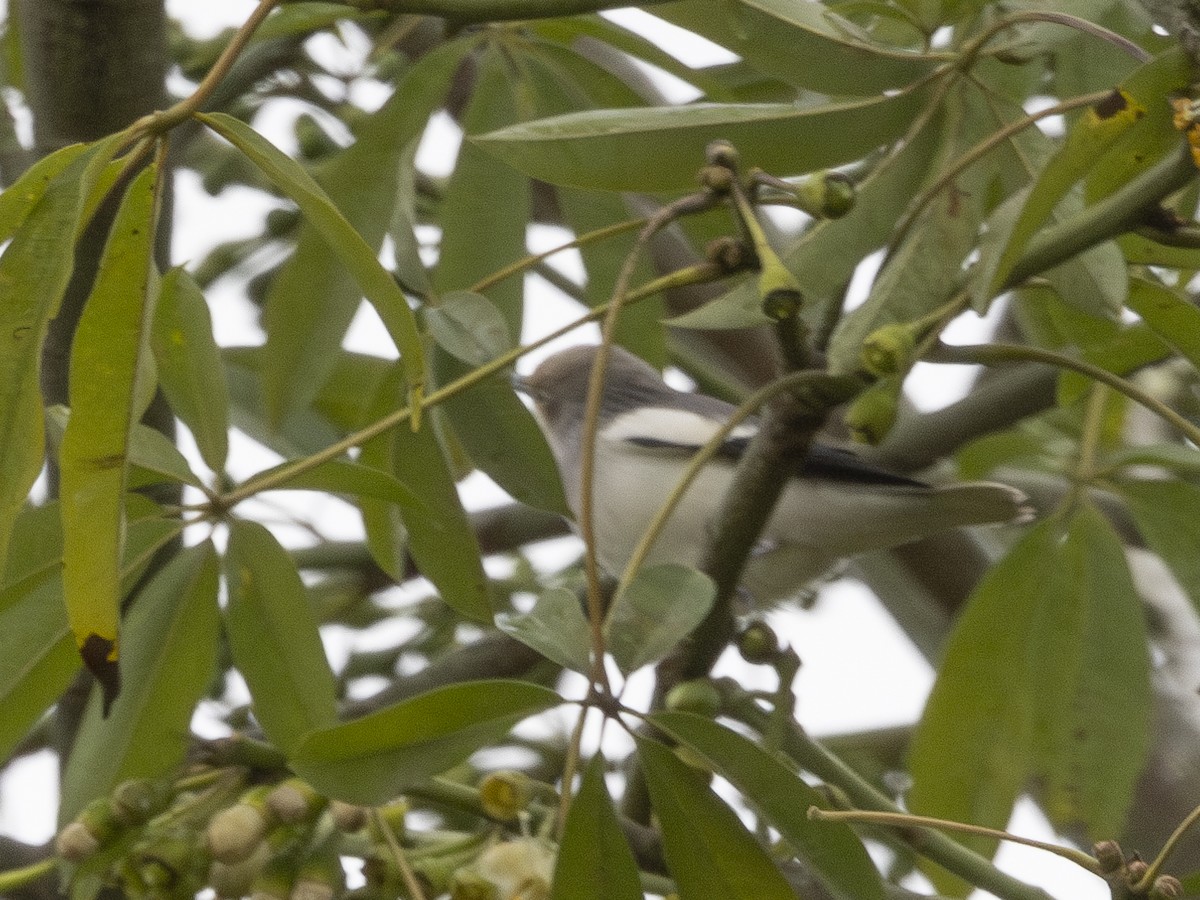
(717, 179)
(722, 153)
(1166, 887)
(520, 868)
(235, 832)
(729, 253)
(75, 843)
(346, 816)
(468, 884)
(1109, 856)
(294, 801)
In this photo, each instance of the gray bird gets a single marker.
(835, 506)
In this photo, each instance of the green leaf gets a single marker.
(190, 369)
(152, 456)
(301, 434)
(441, 539)
(19, 198)
(1153, 135)
(274, 639)
(556, 628)
(1170, 316)
(1094, 131)
(832, 850)
(169, 662)
(659, 608)
(661, 148)
(1099, 128)
(1129, 349)
(1045, 676)
(374, 758)
(485, 209)
(638, 327)
(387, 538)
(503, 439)
(108, 389)
(312, 300)
(347, 244)
(594, 860)
(34, 272)
(406, 250)
(1174, 457)
(1165, 513)
(1093, 729)
(709, 851)
(484, 215)
(469, 327)
(38, 658)
(810, 46)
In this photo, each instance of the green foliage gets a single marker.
(1043, 684)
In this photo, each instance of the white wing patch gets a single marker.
(668, 426)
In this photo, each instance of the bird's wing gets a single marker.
(683, 431)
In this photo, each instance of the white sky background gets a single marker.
(859, 671)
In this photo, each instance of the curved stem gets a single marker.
(908, 820)
(701, 459)
(813, 757)
(1147, 880)
(183, 110)
(972, 49)
(991, 142)
(530, 262)
(591, 420)
(15, 878)
(281, 475)
(993, 354)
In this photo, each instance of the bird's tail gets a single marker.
(978, 503)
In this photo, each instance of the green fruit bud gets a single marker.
(136, 800)
(758, 643)
(889, 350)
(698, 696)
(505, 794)
(873, 414)
(827, 195)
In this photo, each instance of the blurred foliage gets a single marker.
(1001, 157)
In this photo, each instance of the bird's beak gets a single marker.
(519, 382)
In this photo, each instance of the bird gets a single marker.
(836, 504)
